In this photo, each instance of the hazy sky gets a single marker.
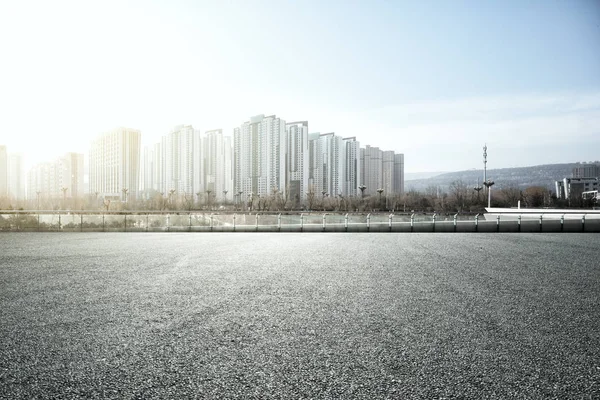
(434, 80)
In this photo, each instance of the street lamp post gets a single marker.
(362, 191)
(208, 192)
(380, 191)
(64, 190)
(489, 185)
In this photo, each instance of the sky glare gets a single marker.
(435, 81)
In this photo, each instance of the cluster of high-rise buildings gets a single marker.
(265, 156)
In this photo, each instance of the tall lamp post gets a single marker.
(380, 191)
(64, 190)
(489, 185)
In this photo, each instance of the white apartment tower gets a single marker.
(388, 172)
(152, 171)
(371, 159)
(333, 156)
(259, 156)
(333, 164)
(351, 167)
(181, 168)
(47, 180)
(218, 165)
(399, 173)
(114, 164)
(16, 176)
(297, 160)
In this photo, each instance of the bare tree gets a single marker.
(511, 195)
(310, 196)
(458, 194)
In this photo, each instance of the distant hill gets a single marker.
(409, 176)
(538, 175)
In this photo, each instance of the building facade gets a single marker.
(61, 178)
(218, 165)
(297, 163)
(114, 164)
(16, 176)
(351, 180)
(182, 170)
(259, 157)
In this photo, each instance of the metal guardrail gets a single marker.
(193, 221)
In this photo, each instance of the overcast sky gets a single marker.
(434, 80)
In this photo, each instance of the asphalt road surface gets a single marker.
(356, 316)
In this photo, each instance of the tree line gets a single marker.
(457, 197)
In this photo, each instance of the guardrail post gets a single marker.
(59, 228)
(147, 222)
(368, 222)
(279, 222)
(562, 222)
(541, 217)
(211, 222)
(390, 221)
(168, 222)
(455, 216)
(412, 222)
(234, 222)
(583, 223)
(519, 222)
(256, 223)
(189, 222)
(102, 222)
(324, 222)
(80, 223)
(476, 222)
(434, 222)
(346, 222)
(125, 221)
(38, 221)
(301, 222)
(498, 223)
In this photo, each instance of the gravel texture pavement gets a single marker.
(352, 316)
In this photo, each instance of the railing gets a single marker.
(194, 221)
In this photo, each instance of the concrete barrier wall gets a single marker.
(195, 222)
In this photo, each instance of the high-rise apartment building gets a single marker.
(333, 164)
(371, 160)
(259, 156)
(388, 159)
(382, 170)
(60, 178)
(152, 171)
(297, 160)
(3, 171)
(114, 164)
(315, 163)
(16, 176)
(218, 165)
(352, 167)
(399, 173)
(181, 149)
